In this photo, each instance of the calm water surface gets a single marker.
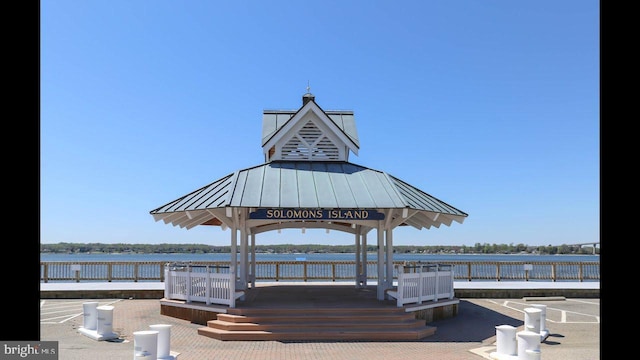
(315, 257)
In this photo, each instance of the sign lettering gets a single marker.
(316, 214)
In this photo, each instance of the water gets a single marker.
(480, 266)
(180, 257)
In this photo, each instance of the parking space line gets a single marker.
(509, 304)
(69, 310)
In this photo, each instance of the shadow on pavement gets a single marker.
(473, 323)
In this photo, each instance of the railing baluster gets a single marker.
(320, 270)
(580, 275)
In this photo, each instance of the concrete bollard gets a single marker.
(532, 320)
(145, 345)
(532, 355)
(543, 315)
(506, 340)
(544, 332)
(528, 344)
(98, 322)
(164, 341)
(90, 315)
(105, 320)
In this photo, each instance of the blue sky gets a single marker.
(490, 106)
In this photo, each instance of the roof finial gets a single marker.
(308, 96)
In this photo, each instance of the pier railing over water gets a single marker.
(322, 270)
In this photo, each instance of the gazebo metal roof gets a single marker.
(307, 181)
(308, 185)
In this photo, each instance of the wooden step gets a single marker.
(372, 324)
(311, 326)
(319, 335)
(316, 310)
(315, 318)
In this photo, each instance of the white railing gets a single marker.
(200, 284)
(419, 283)
(79, 271)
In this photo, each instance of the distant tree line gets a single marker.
(478, 248)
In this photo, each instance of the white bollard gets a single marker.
(528, 343)
(145, 345)
(544, 332)
(543, 315)
(164, 340)
(97, 322)
(90, 315)
(532, 354)
(105, 320)
(506, 340)
(532, 320)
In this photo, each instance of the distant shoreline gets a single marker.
(301, 253)
(479, 249)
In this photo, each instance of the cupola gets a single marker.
(309, 133)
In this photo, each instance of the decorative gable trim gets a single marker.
(310, 142)
(310, 134)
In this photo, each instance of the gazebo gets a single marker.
(307, 182)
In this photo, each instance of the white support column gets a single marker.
(253, 261)
(234, 250)
(358, 257)
(232, 286)
(244, 265)
(363, 236)
(380, 286)
(244, 252)
(389, 259)
(168, 282)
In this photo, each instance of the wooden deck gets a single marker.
(312, 296)
(308, 313)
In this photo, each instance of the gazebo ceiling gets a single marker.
(311, 186)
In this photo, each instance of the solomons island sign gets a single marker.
(315, 214)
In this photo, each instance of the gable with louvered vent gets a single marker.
(309, 143)
(308, 134)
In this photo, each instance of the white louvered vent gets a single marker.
(326, 150)
(310, 132)
(294, 150)
(310, 143)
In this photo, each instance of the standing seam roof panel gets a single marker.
(210, 195)
(429, 203)
(307, 196)
(252, 193)
(419, 202)
(184, 203)
(397, 198)
(214, 198)
(288, 197)
(324, 187)
(343, 193)
(361, 191)
(271, 187)
(357, 185)
(238, 189)
(378, 186)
